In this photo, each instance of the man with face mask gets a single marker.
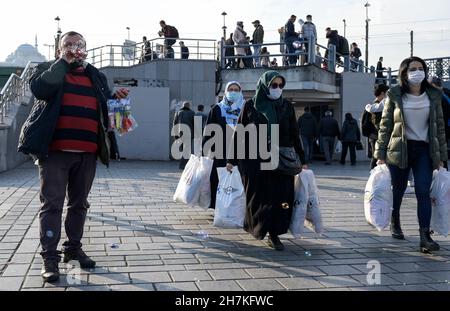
(65, 133)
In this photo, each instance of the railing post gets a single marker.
(361, 66)
(347, 63)
(312, 50)
(332, 58)
(389, 77)
(222, 54)
(111, 56)
(198, 49)
(101, 58)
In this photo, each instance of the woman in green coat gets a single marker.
(412, 137)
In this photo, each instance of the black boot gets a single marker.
(81, 257)
(50, 270)
(275, 243)
(396, 229)
(427, 245)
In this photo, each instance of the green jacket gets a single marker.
(392, 142)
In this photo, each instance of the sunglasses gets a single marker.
(276, 85)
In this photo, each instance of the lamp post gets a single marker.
(367, 5)
(224, 28)
(345, 27)
(58, 35)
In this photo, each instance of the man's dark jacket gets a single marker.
(307, 125)
(47, 85)
(329, 127)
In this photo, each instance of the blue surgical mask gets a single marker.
(275, 93)
(233, 96)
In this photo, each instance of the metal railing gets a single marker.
(129, 55)
(14, 90)
(439, 67)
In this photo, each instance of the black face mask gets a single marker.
(76, 64)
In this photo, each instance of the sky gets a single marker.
(104, 22)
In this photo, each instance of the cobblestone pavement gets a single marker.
(141, 240)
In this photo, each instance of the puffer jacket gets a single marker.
(392, 145)
(47, 86)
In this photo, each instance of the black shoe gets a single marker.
(427, 245)
(275, 243)
(396, 229)
(81, 257)
(50, 271)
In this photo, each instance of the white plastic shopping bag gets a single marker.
(204, 200)
(338, 148)
(230, 200)
(440, 195)
(378, 198)
(297, 225)
(188, 189)
(313, 214)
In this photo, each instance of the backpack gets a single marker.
(367, 126)
(343, 47)
(173, 32)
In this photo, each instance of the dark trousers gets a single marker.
(291, 50)
(345, 147)
(60, 174)
(374, 161)
(308, 145)
(420, 162)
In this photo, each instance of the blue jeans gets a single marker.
(308, 145)
(419, 160)
(257, 52)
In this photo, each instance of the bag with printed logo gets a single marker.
(230, 199)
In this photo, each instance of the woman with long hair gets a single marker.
(412, 137)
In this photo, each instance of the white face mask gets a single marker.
(416, 77)
(275, 93)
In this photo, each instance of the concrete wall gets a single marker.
(163, 85)
(151, 140)
(356, 92)
(10, 132)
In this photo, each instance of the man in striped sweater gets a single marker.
(66, 132)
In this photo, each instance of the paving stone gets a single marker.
(219, 286)
(338, 281)
(193, 276)
(260, 285)
(150, 277)
(229, 274)
(338, 270)
(11, 283)
(300, 283)
(176, 287)
(16, 270)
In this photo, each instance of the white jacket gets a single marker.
(239, 38)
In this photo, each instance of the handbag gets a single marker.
(289, 162)
(359, 146)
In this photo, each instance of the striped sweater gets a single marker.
(77, 126)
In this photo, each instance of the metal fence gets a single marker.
(439, 67)
(14, 90)
(129, 55)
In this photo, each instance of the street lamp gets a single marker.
(58, 35)
(224, 14)
(345, 27)
(367, 5)
(128, 28)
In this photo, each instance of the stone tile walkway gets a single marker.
(142, 240)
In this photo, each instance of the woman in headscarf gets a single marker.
(269, 193)
(225, 114)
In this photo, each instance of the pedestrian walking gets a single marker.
(258, 39)
(240, 38)
(355, 54)
(350, 136)
(412, 137)
(184, 117)
(184, 51)
(290, 36)
(329, 131)
(171, 34)
(308, 131)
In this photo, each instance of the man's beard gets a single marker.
(76, 64)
